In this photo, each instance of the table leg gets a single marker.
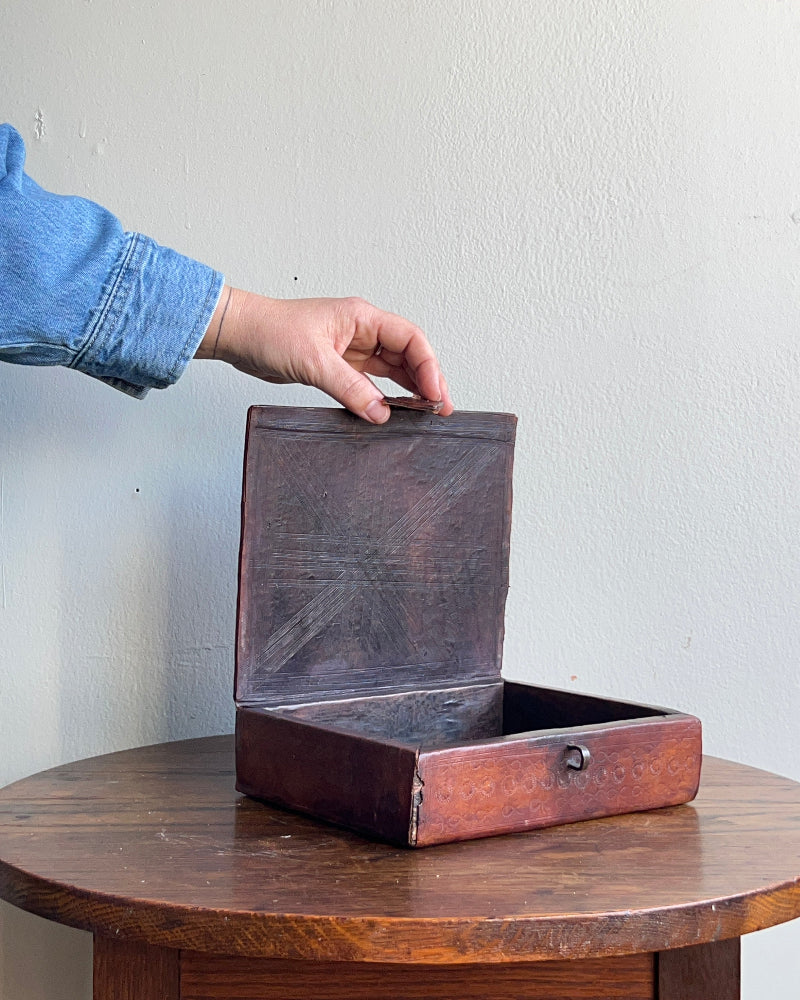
(128, 970)
(700, 972)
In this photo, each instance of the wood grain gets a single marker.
(208, 977)
(154, 845)
(130, 970)
(701, 972)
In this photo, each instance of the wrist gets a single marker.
(218, 332)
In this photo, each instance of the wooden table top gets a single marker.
(155, 844)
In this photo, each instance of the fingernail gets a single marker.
(377, 412)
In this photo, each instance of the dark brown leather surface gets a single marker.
(373, 579)
(374, 558)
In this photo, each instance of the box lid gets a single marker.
(374, 558)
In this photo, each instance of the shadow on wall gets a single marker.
(147, 600)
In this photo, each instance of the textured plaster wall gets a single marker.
(592, 208)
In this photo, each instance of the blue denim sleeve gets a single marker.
(77, 290)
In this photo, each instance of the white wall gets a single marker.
(592, 208)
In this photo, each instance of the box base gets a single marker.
(427, 767)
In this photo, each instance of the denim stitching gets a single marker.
(204, 317)
(109, 305)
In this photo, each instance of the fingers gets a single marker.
(351, 389)
(401, 338)
(391, 366)
(447, 402)
(327, 343)
(406, 357)
(385, 367)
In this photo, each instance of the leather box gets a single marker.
(372, 587)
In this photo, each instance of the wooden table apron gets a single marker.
(194, 892)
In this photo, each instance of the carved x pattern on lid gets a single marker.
(344, 557)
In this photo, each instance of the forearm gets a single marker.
(76, 290)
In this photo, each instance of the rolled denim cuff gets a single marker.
(152, 314)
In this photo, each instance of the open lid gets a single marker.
(374, 559)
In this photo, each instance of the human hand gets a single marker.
(333, 344)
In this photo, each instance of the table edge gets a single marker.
(405, 940)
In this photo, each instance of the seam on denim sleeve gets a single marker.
(204, 317)
(135, 391)
(109, 303)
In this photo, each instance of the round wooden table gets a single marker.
(195, 892)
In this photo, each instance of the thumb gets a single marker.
(353, 390)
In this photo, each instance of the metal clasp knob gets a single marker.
(577, 757)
